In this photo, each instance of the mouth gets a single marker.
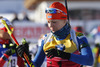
(52, 29)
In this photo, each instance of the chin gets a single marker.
(53, 31)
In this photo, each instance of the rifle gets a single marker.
(66, 5)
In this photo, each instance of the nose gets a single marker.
(50, 23)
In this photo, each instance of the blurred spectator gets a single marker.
(15, 18)
(25, 17)
(78, 29)
(95, 31)
(95, 34)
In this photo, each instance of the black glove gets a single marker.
(11, 48)
(23, 48)
(11, 45)
(10, 51)
(57, 53)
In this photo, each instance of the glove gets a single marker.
(57, 53)
(23, 48)
(11, 45)
(10, 51)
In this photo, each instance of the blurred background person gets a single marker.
(8, 56)
(95, 34)
(79, 29)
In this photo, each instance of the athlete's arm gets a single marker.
(86, 57)
(3, 59)
(40, 56)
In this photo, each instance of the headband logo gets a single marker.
(49, 16)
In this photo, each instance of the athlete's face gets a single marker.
(56, 25)
(4, 35)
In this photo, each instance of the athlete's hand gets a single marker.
(23, 48)
(10, 52)
(11, 49)
(57, 53)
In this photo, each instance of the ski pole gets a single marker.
(96, 57)
(14, 39)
